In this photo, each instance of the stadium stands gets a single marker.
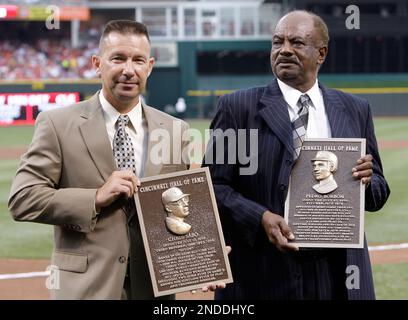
(45, 59)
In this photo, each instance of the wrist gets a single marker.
(97, 204)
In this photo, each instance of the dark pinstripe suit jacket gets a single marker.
(260, 271)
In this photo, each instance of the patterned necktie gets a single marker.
(125, 156)
(123, 147)
(299, 125)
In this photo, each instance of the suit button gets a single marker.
(282, 187)
(288, 162)
(122, 259)
(131, 224)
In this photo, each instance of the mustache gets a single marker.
(286, 60)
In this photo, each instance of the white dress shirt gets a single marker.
(318, 124)
(136, 130)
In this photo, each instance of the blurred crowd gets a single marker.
(46, 59)
(28, 50)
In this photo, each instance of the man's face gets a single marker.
(297, 51)
(124, 65)
(180, 208)
(321, 169)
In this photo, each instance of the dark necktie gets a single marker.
(299, 124)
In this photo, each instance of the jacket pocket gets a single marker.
(67, 261)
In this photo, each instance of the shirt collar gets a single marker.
(292, 95)
(111, 114)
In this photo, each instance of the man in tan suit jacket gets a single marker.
(69, 178)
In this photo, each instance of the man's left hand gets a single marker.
(364, 169)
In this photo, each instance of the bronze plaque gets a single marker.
(181, 231)
(325, 204)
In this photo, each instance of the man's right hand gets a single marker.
(278, 231)
(119, 183)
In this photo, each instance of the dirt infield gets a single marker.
(34, 288)
(10, 153)
(392, 144)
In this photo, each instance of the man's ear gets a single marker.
(322, 55)
(167, 208)
(151, 63)
(96, 63)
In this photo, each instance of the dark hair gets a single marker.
(125, 27)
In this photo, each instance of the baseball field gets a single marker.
(25, 248)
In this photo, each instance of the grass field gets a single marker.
(391, 281)
(28, 240)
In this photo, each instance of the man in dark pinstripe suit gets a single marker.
(265, 264)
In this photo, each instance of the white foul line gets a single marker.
(389, 247)
(47, 273)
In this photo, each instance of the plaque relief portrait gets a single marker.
(325, 164)
(175, 203)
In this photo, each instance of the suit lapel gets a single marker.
(154, 121)
(274, 110)
(335, 110)
(96, 139)
(94, 133)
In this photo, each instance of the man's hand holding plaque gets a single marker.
(278, 232)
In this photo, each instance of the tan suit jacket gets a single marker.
(69, 158)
